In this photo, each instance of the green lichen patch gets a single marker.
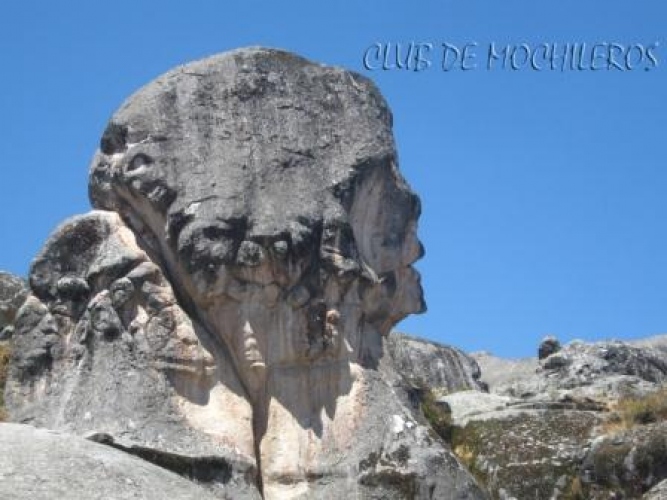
(532, 454)
(437, 415)
(627, 463)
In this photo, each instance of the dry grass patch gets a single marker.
(645, 410)
(631, 411)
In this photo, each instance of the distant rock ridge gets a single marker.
(440, 367)
(592, 369)
(228, 299)
(560, 421)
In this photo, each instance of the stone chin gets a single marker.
(412, 296)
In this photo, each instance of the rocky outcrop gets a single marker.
(549, 345)
(658, 492)
(555, 427)
(227, 302)
(13, 292)
(626, 464)
(656, 343)
(498, 373)
(600, 371)
(38, 464)
(443, 369)
(223, 313)
(527, 453)
(102, 345)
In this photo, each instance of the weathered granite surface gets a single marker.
(227, 302)
(552, 427)
(441, 368)
(626, 464)
(102, 345)
(658, 492)
(549, 345)
(598, 370)
(13, 292)
(40, 464)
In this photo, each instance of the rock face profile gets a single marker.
(223, 309)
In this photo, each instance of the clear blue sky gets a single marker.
(544, 192)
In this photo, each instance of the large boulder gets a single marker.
(549, 345)
(229, 298)
(498, 373)
(441, 368)
(38, 464)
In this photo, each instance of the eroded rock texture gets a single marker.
(13, 292)
(102, 345)
(441, 368)
(585, 421)
(39, 464)
(252, 247)
(600, 371)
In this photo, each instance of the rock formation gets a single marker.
(629, 462)
(597, 370)
(441, 368)
(557, 427)
(39, 464)
(13, 292)
(225, 305)
(658, 492)
(549, 345)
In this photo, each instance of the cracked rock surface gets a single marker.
(13, 292)
(225, 306)
(42, 465)
(562, 427)
(443, 369)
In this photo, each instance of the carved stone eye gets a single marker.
(72, 287)
(281, 248)
(140, 160)
(114, 139)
